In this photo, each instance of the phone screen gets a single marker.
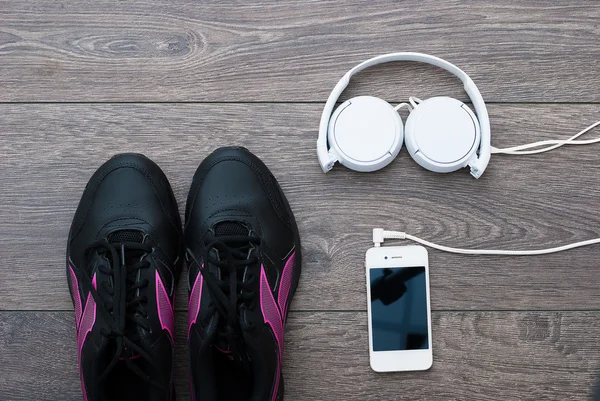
(399, 308)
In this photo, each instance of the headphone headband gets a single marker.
(327, 159)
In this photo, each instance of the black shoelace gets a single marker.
(232, 290)
(121, 306)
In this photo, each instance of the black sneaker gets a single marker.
(243, 254)
(123, 262)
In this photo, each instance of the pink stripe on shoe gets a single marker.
(76, 296)
(166, 315)
(272, 317)
(88, 319)
(286, 285)
(193, 311)
(194, 302)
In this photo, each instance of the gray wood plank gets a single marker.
(293, 51)
(477, 356)
(50, 151)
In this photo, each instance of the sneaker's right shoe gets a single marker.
(243, 255)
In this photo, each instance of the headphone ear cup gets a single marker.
(365, 133)
(442, 134)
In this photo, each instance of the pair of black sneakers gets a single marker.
(125, 254)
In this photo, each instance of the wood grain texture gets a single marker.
(287, 50)
(256, 73)
(50, 151)
(493, 355)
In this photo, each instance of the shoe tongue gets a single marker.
(127, 236)
(131, 257)
(221, 345)
(218, 339)
(121, 236)
(122, 368)
(230, 228)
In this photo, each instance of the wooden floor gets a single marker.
(83, 80)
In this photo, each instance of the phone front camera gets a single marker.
(385, 257)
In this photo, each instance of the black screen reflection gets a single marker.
(399, 309)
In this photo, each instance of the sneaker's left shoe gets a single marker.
(244, 265)
(124, 256)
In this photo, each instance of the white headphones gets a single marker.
(442, 134)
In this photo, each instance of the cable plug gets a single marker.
(380, 235)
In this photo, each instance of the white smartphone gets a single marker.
(399, 308)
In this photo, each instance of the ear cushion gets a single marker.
(365, 133)
(442, 134)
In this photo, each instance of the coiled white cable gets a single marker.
(380, 235)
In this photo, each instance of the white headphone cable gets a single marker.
(414, 101)
(401, 105)
(550, 144)
(380, 235)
